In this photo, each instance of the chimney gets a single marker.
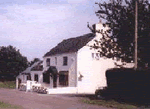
(94, 28)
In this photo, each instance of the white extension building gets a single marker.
(73, 68)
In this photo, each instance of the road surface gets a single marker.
(43, 101)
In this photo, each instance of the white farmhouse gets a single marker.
(31, 73)
(72, 67)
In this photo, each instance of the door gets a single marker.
(55, 80)
(19, 82)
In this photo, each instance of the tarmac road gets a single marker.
(34, 100)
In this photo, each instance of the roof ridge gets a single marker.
(71, 44)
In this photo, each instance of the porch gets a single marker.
(55, 79)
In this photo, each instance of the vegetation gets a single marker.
(110, 104)
(33, 61)
(8, 84)
(118, 41)
(4, 105)
(11, 61)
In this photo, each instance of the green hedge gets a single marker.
(128, 84)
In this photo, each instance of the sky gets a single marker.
(36, 26)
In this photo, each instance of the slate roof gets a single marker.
(71, 45)
(38, 67)
(29, 68)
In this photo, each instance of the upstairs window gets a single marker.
(65, 60)
(55, 60)
(97, 56)
(93, 55)
(48, 62)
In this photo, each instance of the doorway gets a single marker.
(19, 82)
(55, 80)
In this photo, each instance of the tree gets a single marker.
(11, 60)
(118, 41)
(34, 60)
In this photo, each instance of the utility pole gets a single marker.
(136, 35)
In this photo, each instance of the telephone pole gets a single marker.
(136, 35)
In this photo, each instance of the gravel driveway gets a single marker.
(43, 101)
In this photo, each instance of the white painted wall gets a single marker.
(59, 64)
(71, 66)
(92, 69)
(22, 77)
(40, 76)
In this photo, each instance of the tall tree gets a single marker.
(11, 60)
(33, 61)
(118, 41)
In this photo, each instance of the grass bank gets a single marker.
(8, 84)
(4, 105)
(110, 104)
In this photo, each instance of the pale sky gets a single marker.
(36, 26)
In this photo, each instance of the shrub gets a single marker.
(128, 84)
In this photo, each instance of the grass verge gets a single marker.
(4, 105)
(8, 84)
(110, 104)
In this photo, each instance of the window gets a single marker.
(92, 55)
(55, 60)
(46, 78)
(48, 62)
(28, 77)
(36, 77)
(97, 56)
(65, 60)
(63, 78)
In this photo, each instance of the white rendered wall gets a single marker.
(22, 77)
(93, 68)
(71, 65)
(40, 76)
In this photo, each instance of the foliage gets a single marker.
(11, 60)
(33, 61)
(128, 85)
(110, 104)
(8, 84)
(4, 105)
(118, 41)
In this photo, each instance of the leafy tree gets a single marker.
(118, 41)
(34, 60)
(11, 60)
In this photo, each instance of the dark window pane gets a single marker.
(28, 77)
(36, 77)
(63, 79)
(48, 62)
(65, 60)
(46, 78)
(56, 60)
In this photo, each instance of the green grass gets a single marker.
(110, 104)
(4, 105)
(8, 84)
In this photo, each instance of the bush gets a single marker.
(128, 84)
(7, 77)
